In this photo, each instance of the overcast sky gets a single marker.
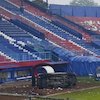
(64, 2)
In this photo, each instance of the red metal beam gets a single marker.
(6, 65)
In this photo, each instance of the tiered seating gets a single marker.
(29, 29)
(44, 44)
(11, 30)
(12, 50)
(56, 30)
(80, 27)
(28, 38)
(40, 13)
(67, 45)
(68, 29)
(89, 23)
(66, 23)
(19, 35)
(58, 41)
(54, 38)
(59, 32)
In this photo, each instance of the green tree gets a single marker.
(83, 3)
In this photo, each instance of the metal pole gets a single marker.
(47, 1)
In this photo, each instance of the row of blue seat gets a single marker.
(29, 29)
(66, 28)
(12, 51)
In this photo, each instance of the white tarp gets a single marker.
(49, 69)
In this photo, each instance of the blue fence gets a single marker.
(68, 10)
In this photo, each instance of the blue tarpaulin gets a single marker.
(80, 65)
(84, 65)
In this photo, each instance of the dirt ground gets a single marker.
(24, 87)
(12, 98)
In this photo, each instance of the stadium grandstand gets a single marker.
(32, 34)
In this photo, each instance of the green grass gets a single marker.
(87, 80)
(93, 94)
(90, 94)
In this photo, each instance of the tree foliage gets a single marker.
(83, 3)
